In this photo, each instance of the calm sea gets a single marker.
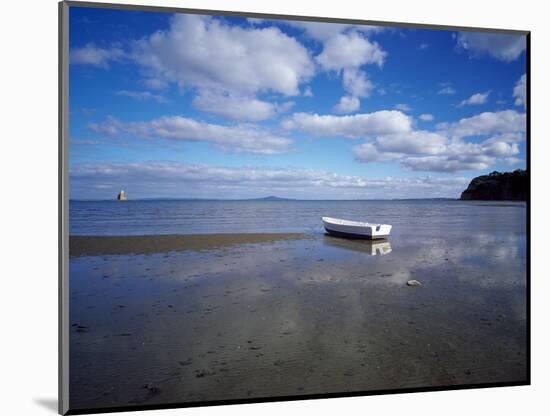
(195, 217)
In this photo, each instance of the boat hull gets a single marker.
(345, 234)
(355, 230)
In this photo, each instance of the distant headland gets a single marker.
(271, 198)
(497, 186)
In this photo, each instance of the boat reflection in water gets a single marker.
(370, 247)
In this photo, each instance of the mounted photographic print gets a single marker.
(259, 207)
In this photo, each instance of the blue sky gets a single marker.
(165, 105)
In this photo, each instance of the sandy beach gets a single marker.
(149, 244)
(171, 319)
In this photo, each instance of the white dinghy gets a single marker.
(355, 229)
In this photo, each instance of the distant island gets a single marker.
(271, 198)
(497, 186)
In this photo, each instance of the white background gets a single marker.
(28, 231)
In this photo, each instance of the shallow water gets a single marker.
(319, 315)
(198, 217)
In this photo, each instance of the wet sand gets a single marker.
(278, 315)
(148, 244)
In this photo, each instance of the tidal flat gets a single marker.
(296, 315)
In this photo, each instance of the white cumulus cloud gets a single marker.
(356, 82)
(447, 91)
(504, 47)
(351, 126)
(447, 164)
(347, 104)
(501, 122)
(142, 96)
(204, 52)
(475, 99)
(350, 50)
(95, 56)
(447, 149)
(238, 107)
(319, 31)
(520, 91)
(403, 107)
(235, 138)
(414, 142)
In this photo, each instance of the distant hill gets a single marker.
(271, 198)
(497, 186)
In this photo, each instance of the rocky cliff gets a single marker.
(507, 186)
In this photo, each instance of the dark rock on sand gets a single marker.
(81, 328)
(152, 388)
(507, 186)
(203, 373)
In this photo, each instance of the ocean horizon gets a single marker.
(185, 216)
(267, 199)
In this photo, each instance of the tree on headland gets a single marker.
(497, 186)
